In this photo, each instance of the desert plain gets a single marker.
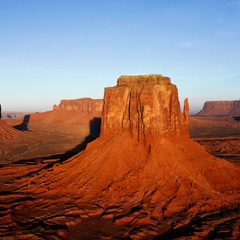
(130, 166)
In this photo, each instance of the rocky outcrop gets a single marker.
(76, 111)
(142, 178)
(7, 132)
(220, 108)
(9, 137)
(80, 105)
(143, 106)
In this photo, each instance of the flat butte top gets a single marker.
(153, 79)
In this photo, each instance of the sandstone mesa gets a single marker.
(220, 108)
(142, 177)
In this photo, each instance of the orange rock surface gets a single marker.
(142, 178)
(143, 106)
(62, 132)
(81, 105)
(77, 111)
(7, 132)
(8, 137)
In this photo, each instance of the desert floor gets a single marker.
(59, 141)
(220, 136)
(42, 145)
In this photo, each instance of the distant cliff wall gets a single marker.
(220, 108)
(81, 105)
(77, 111)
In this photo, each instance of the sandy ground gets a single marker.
(219, 135)
(45, 140)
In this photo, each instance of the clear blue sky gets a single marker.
(68, 49)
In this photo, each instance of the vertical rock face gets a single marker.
(78, 111)
(121, 187)
(220, 108)
(143, 106)
(80, 105)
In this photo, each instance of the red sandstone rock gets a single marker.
(143, 106)
(78, 111)
(64, 130)
(7, 132)
(141, 178)
(8, 137)
(220, 108)
(81, 105)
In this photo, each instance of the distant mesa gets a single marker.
(80, 105)
(220, 108)
(77, 111)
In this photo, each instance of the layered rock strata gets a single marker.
(144, 106)
(142, 178)
(80, 105)
(77, 111)
(220, 108)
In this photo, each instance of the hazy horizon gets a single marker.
(54, 50)
(192, 111)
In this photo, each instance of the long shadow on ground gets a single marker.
(95, 127)
(24, 125)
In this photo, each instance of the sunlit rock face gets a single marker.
(143, 106)
(142, 178)
(77, 111)
(8, 133)
(81, 105)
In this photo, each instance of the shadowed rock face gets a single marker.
(142, 178)
(220, 108)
